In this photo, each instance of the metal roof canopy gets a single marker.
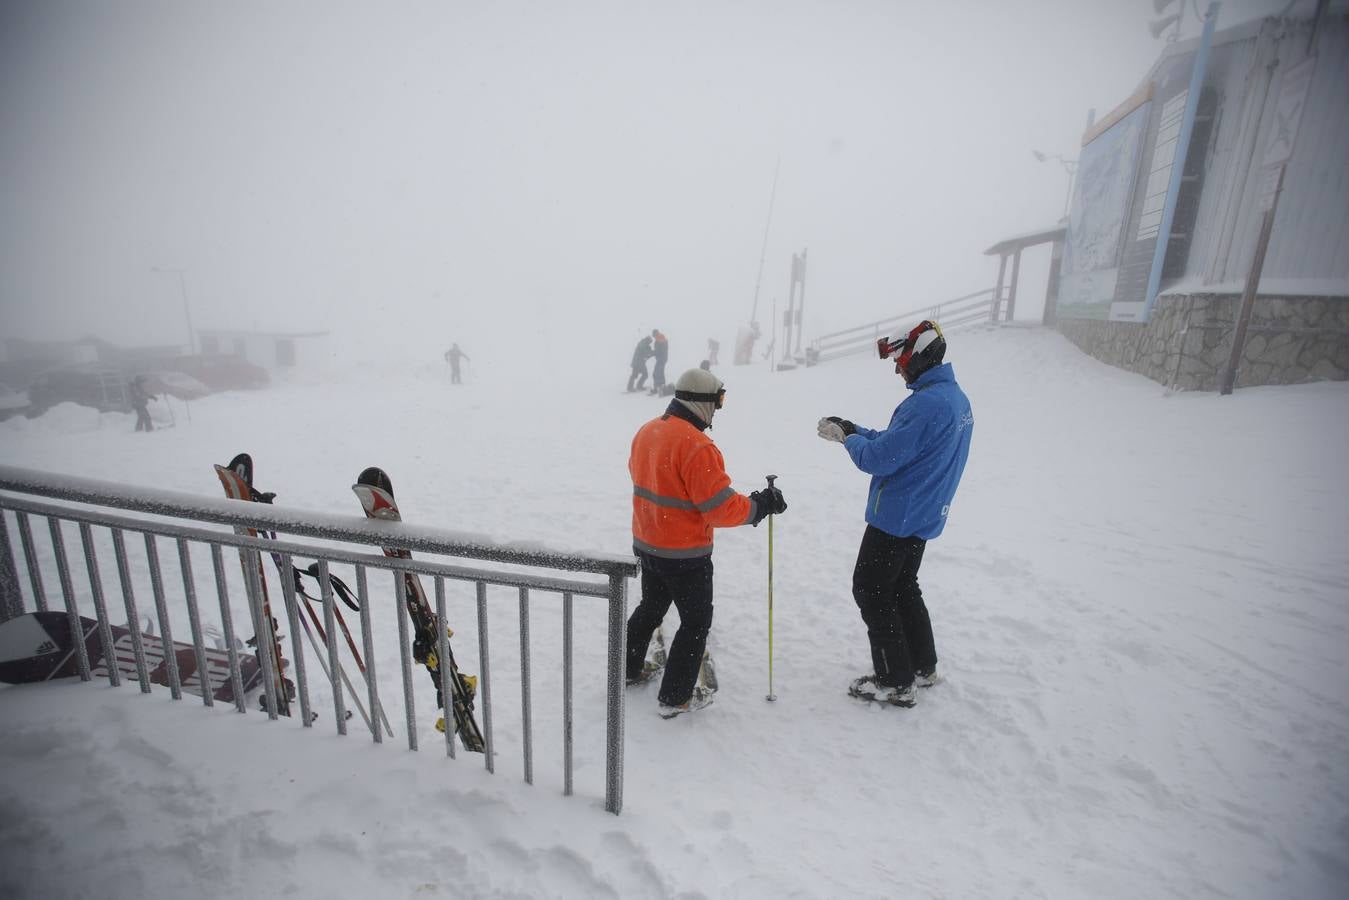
(1012, 247)
(1029, 239)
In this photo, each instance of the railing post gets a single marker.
(405, 654)
(100, 608)
(162, 612)
(485, 677)
(526, 726)
(227, 623)
(618, 617)
(133, 619)
(566, 697)
(330, 629)
(68, 594)
(11, 599)
(194, 621)
(296, 645)
(30, 556)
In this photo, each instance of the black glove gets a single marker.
(767, 502)
(848, 427)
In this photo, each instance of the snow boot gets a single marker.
(866, 688)
(701, 698)
(927, 679)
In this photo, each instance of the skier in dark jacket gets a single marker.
(640, 354)
(453, 356)
(140, 398)
(661, 351)
(915, 465)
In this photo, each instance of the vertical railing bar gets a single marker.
(68, 594)
(566, 695)
(133, 619)
(11, 595)
(227, 623)
(443, 649)
(486, 678)
(296, 645)
(263, 631)
(405, 652)
(613, 765)
(100, 608)
(526, 715)
(34, 571)
(194, 622)
(162, 612)
(334, 664)
(368, 644)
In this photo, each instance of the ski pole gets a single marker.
(771, 695)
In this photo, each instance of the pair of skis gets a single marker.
(375, 492)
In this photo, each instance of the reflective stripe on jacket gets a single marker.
(680, 489)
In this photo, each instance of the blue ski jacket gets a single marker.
(915, 464)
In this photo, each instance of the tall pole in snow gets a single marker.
(772, 195)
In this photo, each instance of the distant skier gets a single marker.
(713, 347)
(680, 492)
(640, 354)
(140, 399)
(452, 356)
(661, 351)
(915, 465)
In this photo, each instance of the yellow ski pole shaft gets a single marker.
(771, 695)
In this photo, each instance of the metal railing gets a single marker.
(981, 306)
(98, 511)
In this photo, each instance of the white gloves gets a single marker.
(830, 431)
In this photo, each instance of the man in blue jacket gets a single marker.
(915, 465)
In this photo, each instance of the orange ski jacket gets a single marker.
(680, 490)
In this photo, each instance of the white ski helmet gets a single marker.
(701, 392)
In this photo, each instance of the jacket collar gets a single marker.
(934, 375)
(680, 411)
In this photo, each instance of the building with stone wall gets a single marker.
(1274, 97)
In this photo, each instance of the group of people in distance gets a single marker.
(657, 346)
(681, 492)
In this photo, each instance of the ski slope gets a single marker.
(1141, 606)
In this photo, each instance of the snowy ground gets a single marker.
(1141, 606)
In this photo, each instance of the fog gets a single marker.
(533, 178)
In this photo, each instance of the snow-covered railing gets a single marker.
(226, 672)
(970, 309)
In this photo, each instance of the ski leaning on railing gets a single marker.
(240, 486)
(375, 491)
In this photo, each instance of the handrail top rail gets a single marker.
(307, 523)
(904, 317)
(417, 566)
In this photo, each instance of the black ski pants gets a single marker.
(687, 583)
(143, 422)
(885, 586)
(637, 380)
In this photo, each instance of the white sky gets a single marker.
(492, 172)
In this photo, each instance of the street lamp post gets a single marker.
(1069, 166)
(187, 309)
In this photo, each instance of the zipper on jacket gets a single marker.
(876, 508)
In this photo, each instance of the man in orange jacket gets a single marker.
(680, 492)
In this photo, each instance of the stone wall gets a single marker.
(1188, 338)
